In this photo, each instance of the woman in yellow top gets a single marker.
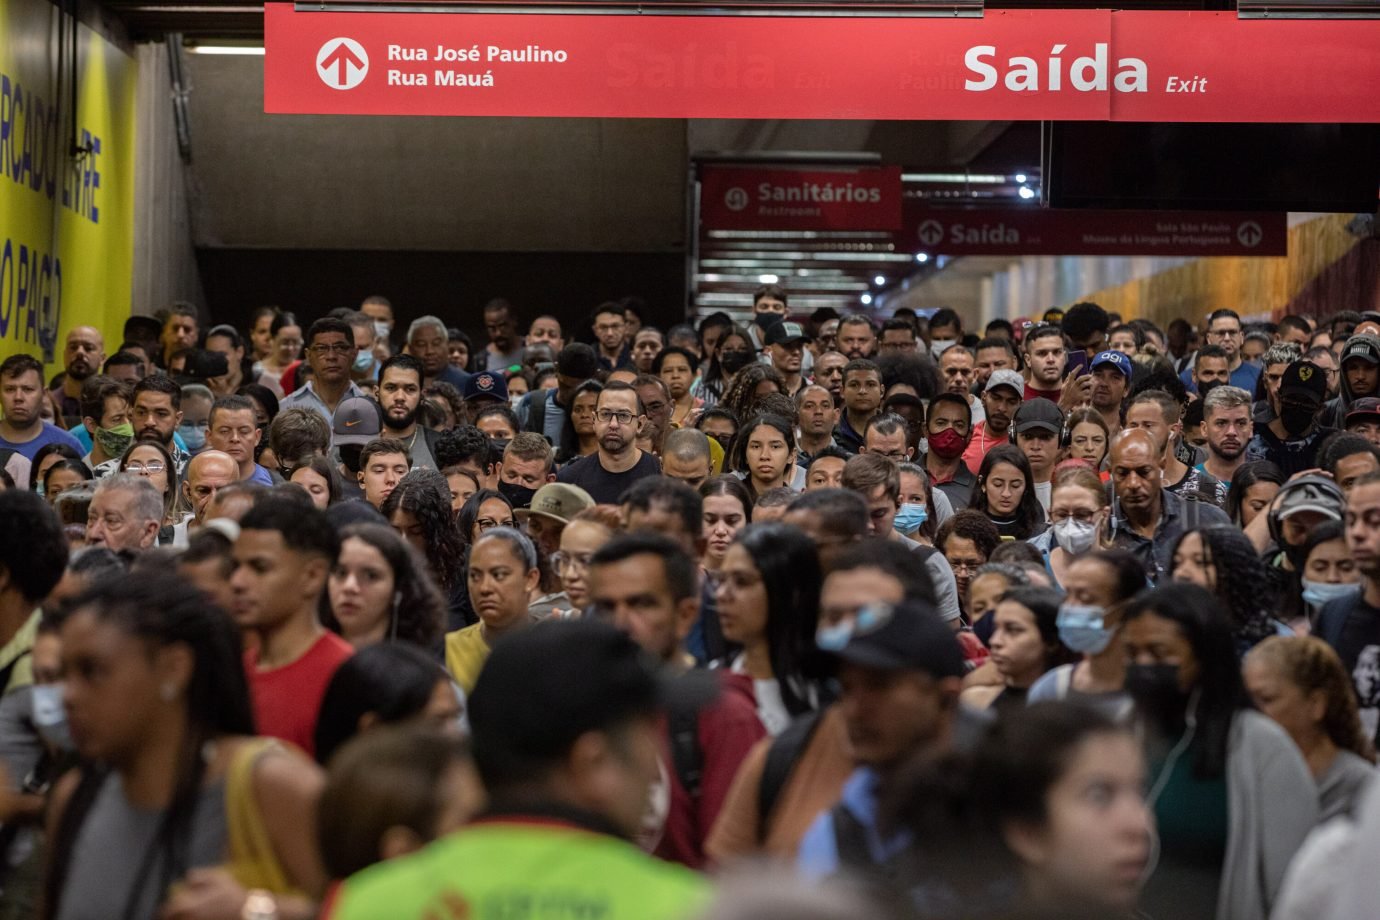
(502, 573)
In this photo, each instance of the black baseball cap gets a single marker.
(1304, 378)
(1365, 408)
(577, 360)
(545, 686)
(911, 637)
(1038, 413)
(786, 333)
(1365, 347)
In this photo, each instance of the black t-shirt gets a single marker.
(604, 487)
(1358, 646)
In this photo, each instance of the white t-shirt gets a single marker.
(1042, 492)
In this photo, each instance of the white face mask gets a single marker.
(938, 347)
(1075, 536)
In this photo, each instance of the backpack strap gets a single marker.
(8, 670)
(782, 757)
(536, 415)
(683, 724)
(1332, 619)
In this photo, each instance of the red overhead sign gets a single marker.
(1007, 65)
(1024, 232)
(745, 198)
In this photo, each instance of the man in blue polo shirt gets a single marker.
(1224, 331)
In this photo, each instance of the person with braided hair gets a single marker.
(749, 386)
(159, 709)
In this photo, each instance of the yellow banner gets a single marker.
(66, 197)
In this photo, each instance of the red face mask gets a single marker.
(948, 443)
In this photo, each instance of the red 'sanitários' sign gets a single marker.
(1007, 65)
(765, 198)
(1023, 232)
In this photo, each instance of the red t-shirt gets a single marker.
(288, 699)
(1051, 395)
(978, 447)
(728, 728)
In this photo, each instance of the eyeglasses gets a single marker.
(340, 348)
(490, 523)
(153, 466)
(564, 562)
(1082, 517)
(1223, 333)
(623, 416)
(968, 567)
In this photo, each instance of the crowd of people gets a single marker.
(813, 616)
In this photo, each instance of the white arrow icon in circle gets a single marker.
(342, 63)
(931, 232)
(1249, 234)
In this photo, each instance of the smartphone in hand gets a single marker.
(1077, 363)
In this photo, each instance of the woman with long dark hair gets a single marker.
(764, 454)
(419, 510)
(734, 352)
(159, 710)
(1253, 486)
(380, 591)
(1224, 561)
(384, 685)
(1024, 644)
(1233, 797)
(1005, 493)
(1044, 816)
(768, 599)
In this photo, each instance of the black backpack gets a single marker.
(782, 757)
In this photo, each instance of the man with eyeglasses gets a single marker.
(1224, 331)
(610, 331)
(618, 463)
(331, 355)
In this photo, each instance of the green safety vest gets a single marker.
(522, 869)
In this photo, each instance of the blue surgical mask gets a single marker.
(1318, 593)
(1081, 629)
(194, 436)
(834, 638)
(363, 360)
(910, 517)
(49, 716)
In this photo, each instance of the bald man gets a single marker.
(1147, 519)
(208, 472)
(82, 357)
(685, 456)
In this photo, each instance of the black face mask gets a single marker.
(765, 321)
(1155, 689)
(519, 495)
(1205, 388)
(734, 361)
(1296, 418)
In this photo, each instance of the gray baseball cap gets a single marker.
(1005, 378)
(356, 421)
